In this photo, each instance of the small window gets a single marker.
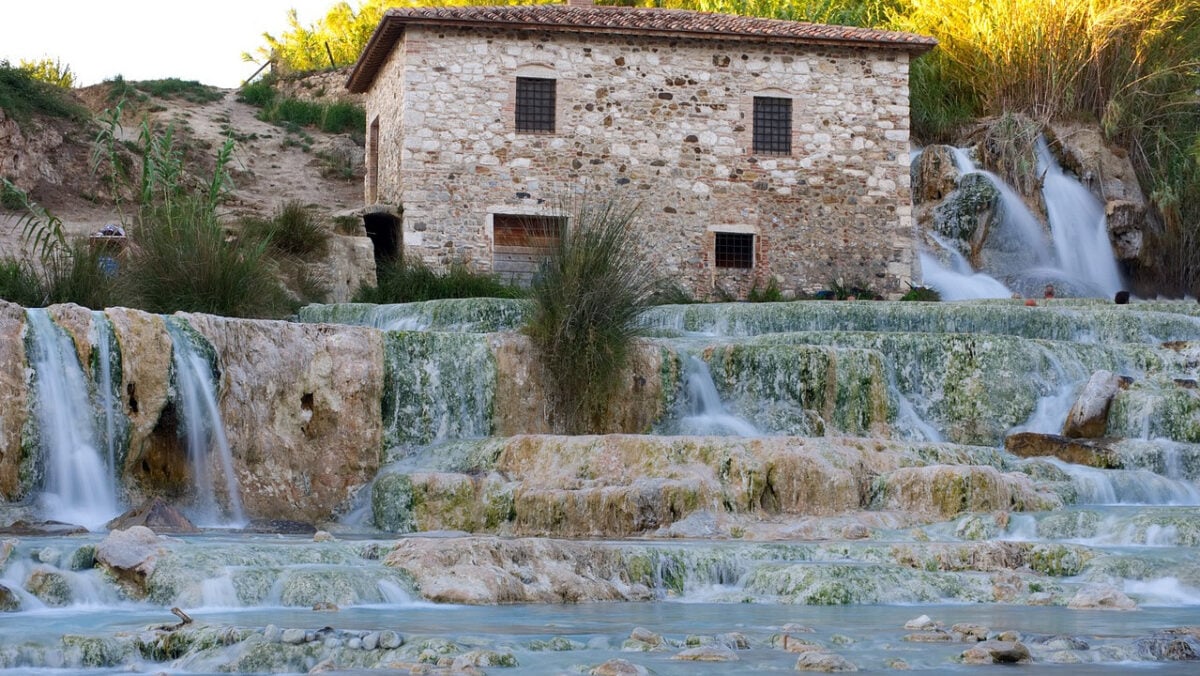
(772, 125)
(735, 250)
(535, 104)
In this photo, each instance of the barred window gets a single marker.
(772, 125)
(734, 250)
(535, 104)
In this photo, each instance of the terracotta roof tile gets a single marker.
(624, 21)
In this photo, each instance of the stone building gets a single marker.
(759, 150)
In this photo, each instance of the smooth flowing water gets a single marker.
(205, 433)
(78, 484)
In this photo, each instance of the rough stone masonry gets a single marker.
(662, 117)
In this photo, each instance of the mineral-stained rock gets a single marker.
(1088, 418)
(823, 661)
(49, 586)
(1097, 454)
(9, 602)
(42, 528)
(1101, 597)
(157, 515)
(949, 490)
(618, 667)
(15, 484)
(301, 406)
(996, 652)
(492, 570)
(707, 653)
(130, 555)
(934, 174)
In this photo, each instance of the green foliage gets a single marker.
(334, 118)
(20, 284)
(771, 294)
(291, 231)
(921, 293)
(182, 260)
(22, 96)
(408, 280)
(174, 88)
(12, 197)
(259, 93)
(586, 299)
(50, 71)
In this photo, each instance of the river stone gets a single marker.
(1088, 417)
(49, 556)
(130, 555)
(646, 636)
(301, 406)
(484, 658)
(823, 661)
(996, 652)
(42, 528)
(971, 632)
(1097, 454)
(922, 623)
(618, 667)
(15, 484)
(49, 586)
(707, 653)
(1101, 597)
(390, 640)
(9, 601)
(155, 514)
(734, 640)
(292, 636)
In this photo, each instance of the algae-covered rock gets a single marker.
(392, 503)
(94, 652)
(949, 490)
(1156, 409)
(50, 586)
(9, 601)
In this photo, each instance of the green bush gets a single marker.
(292, 231)
(20, 284)
(12, 197)
(333, 118)
(182, 260)
(22, 96)
(409, 280)
(259, 93)
(586, 300)
(174, 88)
(921, 293)
(771, 294)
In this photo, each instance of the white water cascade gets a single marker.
(102, 338)
(1077, 256)
(706, 412)
(79, 487)
(1077, 226)
(201, 418)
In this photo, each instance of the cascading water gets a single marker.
(1077, 226)
(706, 412)
(1077, 257)
(201, 418)
(79, 486)
(106, 394)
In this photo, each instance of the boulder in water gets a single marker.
(997, 652)
(9, 602)
(618, 667)
(1096, 454)
(823, 661)
(42, 528)
(1088, 418)
(156, 515)
(707, 653)
(1101, 597)
(130, 555)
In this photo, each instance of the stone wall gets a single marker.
(667, 123)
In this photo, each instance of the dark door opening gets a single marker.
(384, 231)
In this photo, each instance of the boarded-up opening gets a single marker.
(521, 242)
(384, 231)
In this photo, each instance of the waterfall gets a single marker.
(106, 392)
(954, 285)
(201, 418)
(79, 487)
(706, 414)
(1077, 226)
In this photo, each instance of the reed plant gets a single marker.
(291, 231)
(586, 299)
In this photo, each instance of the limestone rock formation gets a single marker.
(934, 174)
(1088, 452)
(130, 556)
(15, 393)
(1088, 418)
(156, 515)
(301, 407)
(997, 652)
(492, 570)
(1101, 597)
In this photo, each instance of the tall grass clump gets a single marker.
(410, 280)
(585, 302)
(291, 231)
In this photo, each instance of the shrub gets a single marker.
(921, 293)
(12, 197)
(292, 231)
(409, 280)
(22, 96)
(20, 284)
(259, 93)
(771, 294)
(50, 71)
(173, 87)
(586, 300)
(182, 260)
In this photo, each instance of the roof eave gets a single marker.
(372, 58)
